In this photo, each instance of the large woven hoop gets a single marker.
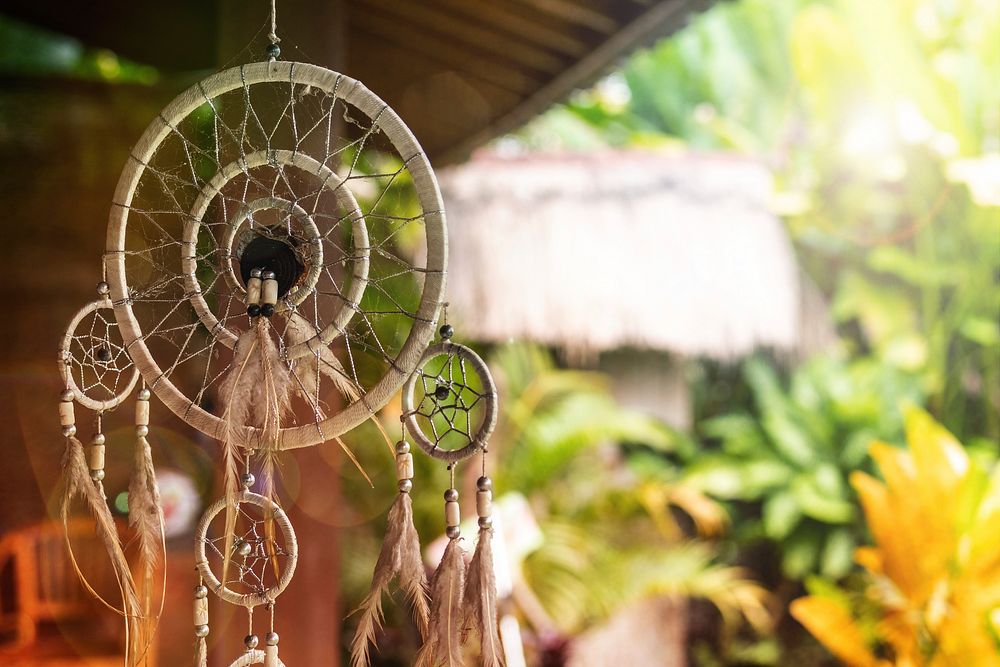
(433, 278)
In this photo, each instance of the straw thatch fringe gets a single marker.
(400, 556)
(480, 601)
(77, 482)
(444, 634)
(146, 519)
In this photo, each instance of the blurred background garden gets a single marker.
(741, 292)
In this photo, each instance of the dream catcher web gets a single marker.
(272, 163)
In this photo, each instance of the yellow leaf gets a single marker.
(832, 625)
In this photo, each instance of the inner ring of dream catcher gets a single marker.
(93, 360)
(308, 247)
(255, 554)
(308, 172)
(450, 403)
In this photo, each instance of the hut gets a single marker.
(631, 261)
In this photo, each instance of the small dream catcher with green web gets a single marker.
(274, 273)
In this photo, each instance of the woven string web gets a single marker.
(96, 356)
(258, 160)
(448, 401)
(251, 569)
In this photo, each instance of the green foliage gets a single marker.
(609, 536)
(791, 455)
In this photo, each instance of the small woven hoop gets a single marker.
(252, 657)
(65, 363)
(482, 436)
(428, 194)
(346, 199)
(248, 600)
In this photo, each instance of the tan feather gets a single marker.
(443, 645)
(77, 482)
(480, 601)
(399, 557)
(307, 372)
(236, 393)
(146, 519)
(201, 653)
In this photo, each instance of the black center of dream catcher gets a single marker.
(272, 254)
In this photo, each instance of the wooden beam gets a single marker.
(505, 17)
(486, 41)
(579, 14)
(659, 20)
(449, 56)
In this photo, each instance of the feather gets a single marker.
(480, 601)
(309, 369)
(77, 482)
(146, 519)
(201, 653)
(443, 645)
(236, 392)
(400, 557)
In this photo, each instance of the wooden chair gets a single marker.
(47, 618)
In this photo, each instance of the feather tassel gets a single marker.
(146, 519)
(480, 601)
(400, 557)
(77, 483)
(444, 634)
(201, 653)
(309, 369)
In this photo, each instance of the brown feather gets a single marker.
(201, 654)
(77, 482)
(400, 556)
(480, 601)
(146, 519)
(308, 370)
(236, 393)
(444, 634)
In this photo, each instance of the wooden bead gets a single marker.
(253, 291)
(67, 415)
(201, 611)
(142, 413)
(452, 516)
(404, 466)
(484, 503)
(269, 294)
(95, 459)
(271, 656)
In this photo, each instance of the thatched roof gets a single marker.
(626, 249)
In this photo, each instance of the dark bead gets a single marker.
(273, 51)
(253, 310)
(447, 331)
(104, 354)
(267, 310)
(441, 392)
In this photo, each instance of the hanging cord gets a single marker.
(273, 50)
(273, 35)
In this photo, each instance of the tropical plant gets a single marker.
(792, 455)
(609, 535)
(933, 590)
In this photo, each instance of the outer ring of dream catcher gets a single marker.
(299, 292)
(66, 370)
(428, 195)
(248, 600)
(479, 440)
(252, 657)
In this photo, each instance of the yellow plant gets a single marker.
(933, 598)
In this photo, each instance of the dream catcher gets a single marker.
(274, 273)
